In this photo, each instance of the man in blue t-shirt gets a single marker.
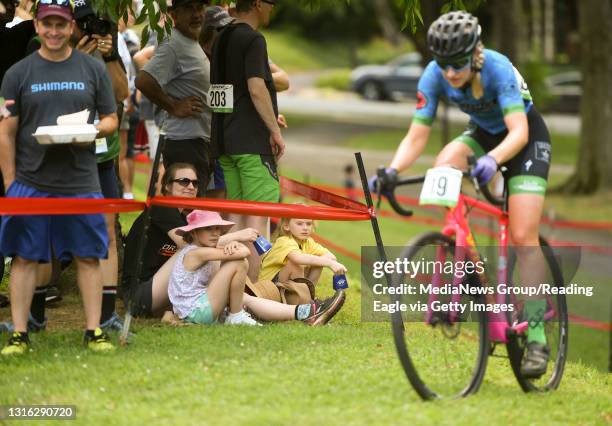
(56, 80)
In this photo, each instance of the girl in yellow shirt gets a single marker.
(296, 255)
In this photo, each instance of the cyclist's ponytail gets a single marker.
(477, 89)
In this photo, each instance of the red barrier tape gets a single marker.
(321, 196)
(254, 208)
(58, 206)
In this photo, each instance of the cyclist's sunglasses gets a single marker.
(456, 64)
(273, 3)
(69, 3)
(184, 182)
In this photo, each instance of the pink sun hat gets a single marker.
(203, 219)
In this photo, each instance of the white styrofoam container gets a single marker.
(66, 133)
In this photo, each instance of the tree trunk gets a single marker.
(594, 164)
(509, 34)
(549, 31)
(536, 26)
(388, 24)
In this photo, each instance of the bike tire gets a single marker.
(516, 343)
(425, 386)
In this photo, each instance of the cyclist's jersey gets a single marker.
(505, 92)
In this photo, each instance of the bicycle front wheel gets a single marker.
(443, 353)
(555, 325)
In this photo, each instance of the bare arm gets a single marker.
(199, 256)
(191, 106)
(515, 140)
(300, 258)
(107, 125)
(143, 56)
(8, 133)
(118, 79)
(243, 236)
(263, 104)
(411, 146)
(280, 78)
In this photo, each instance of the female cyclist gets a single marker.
(504, 129)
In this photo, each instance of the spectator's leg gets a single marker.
(22, 285)
(227, 287)
(269, 310)
(289, 271)
(110, 271)
(89, 278)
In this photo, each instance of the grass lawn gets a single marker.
(345, 373)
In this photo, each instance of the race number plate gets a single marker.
(101, 146)
(442, 186)
(221, 98)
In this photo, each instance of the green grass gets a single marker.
(294, 53)
(338, 79)
(345, 373)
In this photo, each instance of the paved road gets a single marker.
(348, 107)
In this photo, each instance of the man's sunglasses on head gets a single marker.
(184, 182)
(68, 3)
(456, 64)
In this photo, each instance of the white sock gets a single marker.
(128, 196)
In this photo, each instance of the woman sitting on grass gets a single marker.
(209, 275)
(295, 254)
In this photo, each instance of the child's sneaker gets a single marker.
(323, 311)
(17, 344)
(98, 341)
(241, 318)
(535, 360)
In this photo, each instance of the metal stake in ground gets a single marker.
(123, 338)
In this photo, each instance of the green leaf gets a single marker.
(144, 36)
(142, 17)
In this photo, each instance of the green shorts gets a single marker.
(202, 313)
(251, 177)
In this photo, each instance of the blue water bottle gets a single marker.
(262, 245)
(340, 282)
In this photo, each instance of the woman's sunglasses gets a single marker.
(184, 182)
(456, 64)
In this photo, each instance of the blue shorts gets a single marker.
(33, 237)
(202, 313)
(217, 179)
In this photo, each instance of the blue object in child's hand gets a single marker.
(340, 282)
(262, 245)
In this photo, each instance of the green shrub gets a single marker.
(380, 51)
(339, 79)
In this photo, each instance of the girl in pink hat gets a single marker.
(210, 274)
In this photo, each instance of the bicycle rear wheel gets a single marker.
(441, 356)
(555, 325)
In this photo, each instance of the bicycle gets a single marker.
(445, 354)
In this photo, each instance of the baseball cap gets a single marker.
(83, 8)
(216, 17)
(178, 3)
(61, 8)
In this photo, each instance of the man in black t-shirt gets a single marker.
(247, 141)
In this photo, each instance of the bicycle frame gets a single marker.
(457, 227)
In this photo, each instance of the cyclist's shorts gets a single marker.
(527, 172)
(33, 237)
(251, 177)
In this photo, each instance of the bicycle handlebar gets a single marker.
(497, 201)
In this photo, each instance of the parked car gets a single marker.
(399, 78)
(566, 91)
